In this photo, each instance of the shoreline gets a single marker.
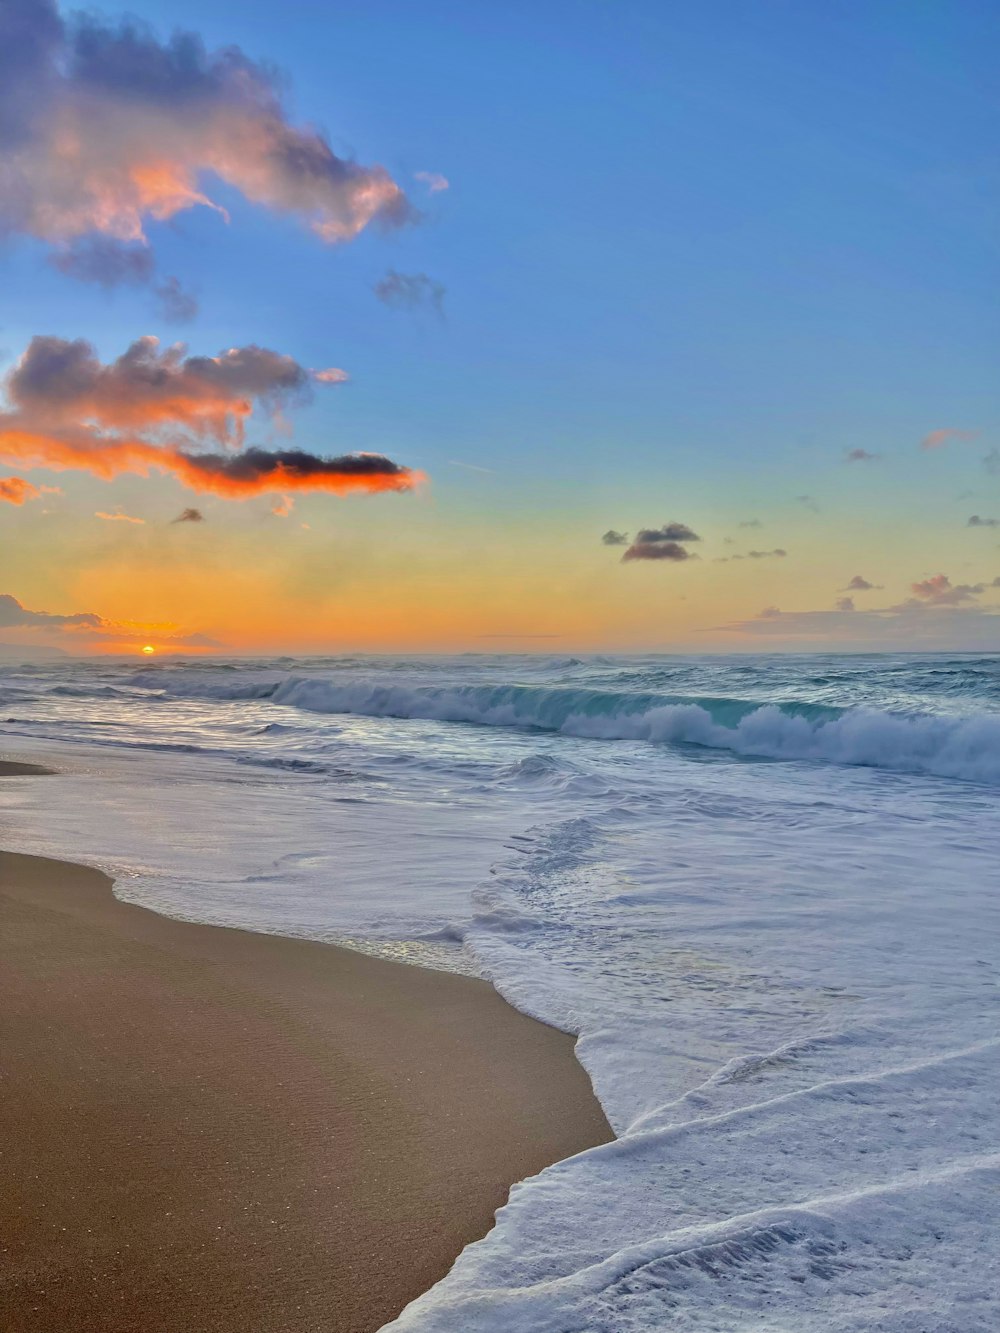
(204, 1127)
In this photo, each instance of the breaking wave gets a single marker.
(952, 747)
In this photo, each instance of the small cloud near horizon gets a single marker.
(662, 543)
(976, 522)
(189, 516)
(613, 538)
(860, 584)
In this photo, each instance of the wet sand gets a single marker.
(205, 1130)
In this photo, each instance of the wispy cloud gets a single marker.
(189, 516)
(937, 439)
(410, 291)
(472, 467)
(177, 306)
(751, 523)
(434, 181)
(807, 502)
(860, 456)
(117, 517)
(976, 522)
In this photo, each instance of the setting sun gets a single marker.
(148, 649)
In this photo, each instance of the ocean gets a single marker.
(763, 891)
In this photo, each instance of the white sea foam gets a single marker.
(784, 976)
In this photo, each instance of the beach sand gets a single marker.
(205, 1130)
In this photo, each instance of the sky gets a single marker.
(435, 327)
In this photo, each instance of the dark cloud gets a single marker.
(861, 584)
(177, 306)
(860, 456)
(991, 462)
(845, 604)
(976, 522)
(408, 291)
(778, 553)
(159, 120)
(189, 516)
(658, 550)
(662, 543)
(613, 538)
(670, 532)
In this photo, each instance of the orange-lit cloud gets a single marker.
(15, 490)
(283, 506)
(117, 517)
(58, 382)
(150, 410)
(105, 128)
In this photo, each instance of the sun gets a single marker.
(148, 649)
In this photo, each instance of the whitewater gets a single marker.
(761, 891)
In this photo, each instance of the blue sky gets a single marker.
(692, 255)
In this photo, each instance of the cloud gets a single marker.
(937, 439)
(860, 456)
(976, 522)
(670, 532)
(150, 409)
(751, 523)
(861, 584)
(104, 261)
(117, 517)
(659, 550)
(807, 502)
(940, 591)
(434, 181)
(58, 382)
(991, 462)
(662, 543)
(88, 627)
(330, 376)
(845, 604)
(779, 553)
(189, 516)
(472, 467)
(176, 305)
(409, 291)
(15, 490)
(13, 614)
(613, 538)
(104, 128)
(283, 506)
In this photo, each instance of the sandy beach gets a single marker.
(206, 1129)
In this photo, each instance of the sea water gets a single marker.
(764, 893)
